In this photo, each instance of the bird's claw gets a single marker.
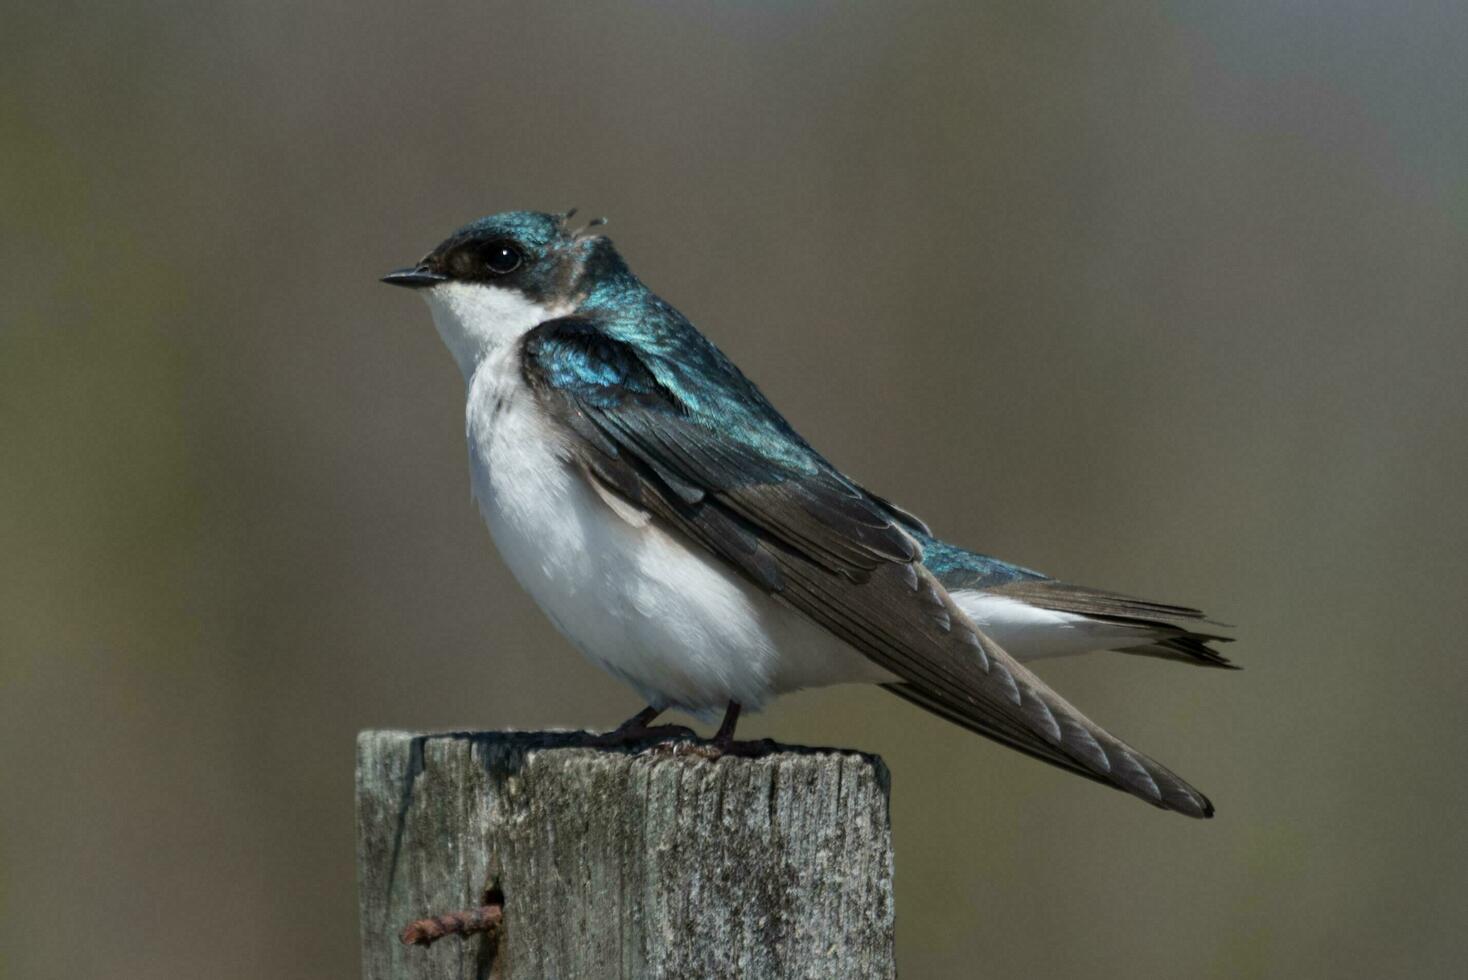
(659, 735)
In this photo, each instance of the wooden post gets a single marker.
(614, 863)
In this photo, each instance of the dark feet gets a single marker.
(723, 743)
(724, 737)
(679, 739)
(639, 728)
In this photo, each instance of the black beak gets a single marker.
(414, 278)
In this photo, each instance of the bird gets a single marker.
(682, 535)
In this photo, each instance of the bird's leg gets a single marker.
(724, 737)
(678, 740)
(639, 728)
(640, 721)
(723, 742)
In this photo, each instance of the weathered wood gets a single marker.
(623, 863)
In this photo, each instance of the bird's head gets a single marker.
(492, 280)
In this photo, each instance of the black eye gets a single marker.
(501, 259)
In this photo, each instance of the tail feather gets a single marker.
(1171, 639)
(1188, 648)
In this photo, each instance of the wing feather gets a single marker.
(758, 497)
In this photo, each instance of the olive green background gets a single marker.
(1164, 298)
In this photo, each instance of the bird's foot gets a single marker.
(723, 743)
(673, 740)
(638, 729)
(659, 736)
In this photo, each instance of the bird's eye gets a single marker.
(502, 259)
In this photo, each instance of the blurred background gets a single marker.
(1167, 298)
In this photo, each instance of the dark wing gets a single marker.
(743, 486)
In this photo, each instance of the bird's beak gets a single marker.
(415, 278)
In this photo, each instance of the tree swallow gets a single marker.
(681, 534)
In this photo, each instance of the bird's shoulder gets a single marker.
(647, 356)
(663, 414)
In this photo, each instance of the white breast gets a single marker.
(661, 613)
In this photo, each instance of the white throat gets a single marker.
(475, 319)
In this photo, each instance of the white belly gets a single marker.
(664, 615)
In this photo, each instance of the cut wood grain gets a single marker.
(622, 863)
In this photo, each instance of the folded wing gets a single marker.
(722, 467)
